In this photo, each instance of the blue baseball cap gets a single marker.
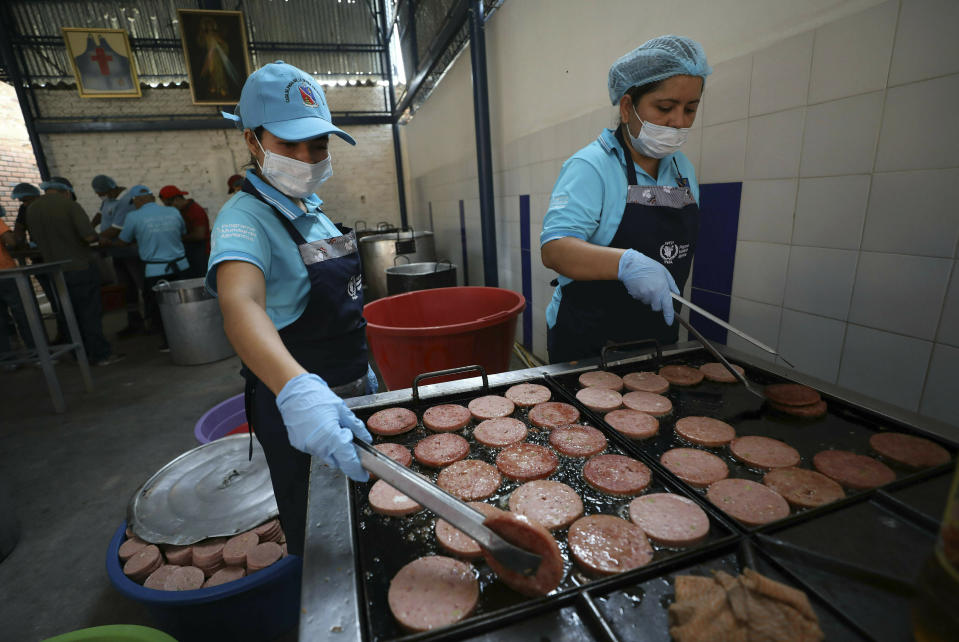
(138, 190)
(287, 102)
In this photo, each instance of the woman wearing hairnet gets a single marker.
(623, 217)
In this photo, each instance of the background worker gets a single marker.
(26, 193)
(114, 207)
(197, 239)
(62, 231)
(234, 184)
(10, 298)
(158, 233)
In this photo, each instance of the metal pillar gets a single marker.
(484, 154)
(7, 31)
(386, 61)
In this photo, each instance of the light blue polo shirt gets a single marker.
(158, 232)
(247, 229)
(590, 195)
(114, 211)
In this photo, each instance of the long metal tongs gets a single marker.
(756, 342)
(450, 508)
(713, 351)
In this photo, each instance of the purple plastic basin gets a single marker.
(219, 420)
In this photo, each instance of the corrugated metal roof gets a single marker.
(291, 30)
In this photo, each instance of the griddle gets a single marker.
(632, 606)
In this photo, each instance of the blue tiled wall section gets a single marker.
(715, 255)
(526, 263)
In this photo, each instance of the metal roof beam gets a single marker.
(455, 20)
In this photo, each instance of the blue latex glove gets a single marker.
(648, 281)
(319, 423)
(372, 383)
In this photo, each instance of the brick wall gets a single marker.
(17, 164)
(364, 177)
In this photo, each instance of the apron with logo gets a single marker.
(328, 339)
(660, 221)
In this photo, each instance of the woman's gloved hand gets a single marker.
(372, 384)
(648, 281)
(319, 423)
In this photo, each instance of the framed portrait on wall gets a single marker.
(215, 49)
(102, 62)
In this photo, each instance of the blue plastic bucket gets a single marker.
(220, 420)
(261, 606)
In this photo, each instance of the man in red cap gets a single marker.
(234, 184)
(197, 239)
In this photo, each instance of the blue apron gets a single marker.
(660, 221)
(328, 339)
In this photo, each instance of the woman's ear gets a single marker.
(253, 145)
(625, 106)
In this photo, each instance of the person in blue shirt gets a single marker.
(623, 218)
(289, 284)
(158, 233)
(114, 206)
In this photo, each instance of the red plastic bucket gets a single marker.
(430, 330)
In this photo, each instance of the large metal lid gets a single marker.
(419, 269)
(209, 491)
(183, 291)
(403, 235)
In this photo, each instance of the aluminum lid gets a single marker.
(210, 491)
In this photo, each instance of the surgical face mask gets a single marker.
(657, 141)
(292, 177)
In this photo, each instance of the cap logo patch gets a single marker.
(309, 98)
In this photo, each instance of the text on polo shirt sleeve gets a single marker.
(237, 236)
(576, 204)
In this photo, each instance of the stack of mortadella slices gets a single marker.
(795, 399)
(211, 562)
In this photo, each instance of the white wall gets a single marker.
(364, 177)
(838, 117)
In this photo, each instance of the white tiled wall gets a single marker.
(847, 144)
(848, 233)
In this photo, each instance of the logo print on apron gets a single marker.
(355, 286)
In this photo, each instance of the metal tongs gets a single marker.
(448, 507)
(713, 351)
(715, 319)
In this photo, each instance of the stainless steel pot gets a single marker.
(380, 252)
(420, 276)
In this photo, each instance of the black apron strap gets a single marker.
(290, 228)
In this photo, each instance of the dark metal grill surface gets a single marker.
(633, 605)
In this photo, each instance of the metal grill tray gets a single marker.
(845, 426)
(386, 544)
(869, 535)
(635, 608)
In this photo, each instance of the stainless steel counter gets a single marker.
(329, 608)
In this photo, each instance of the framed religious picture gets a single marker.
(102, 62)
(214, 45)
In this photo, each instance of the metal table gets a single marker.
(329, 605)
(43, 353)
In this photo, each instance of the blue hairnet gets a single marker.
(102, 183)
(654, 60)
(23, 190)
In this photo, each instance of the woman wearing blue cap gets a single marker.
(290, 287)
(623, 217)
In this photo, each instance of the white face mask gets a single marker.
(292, 177)
(657, 141)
